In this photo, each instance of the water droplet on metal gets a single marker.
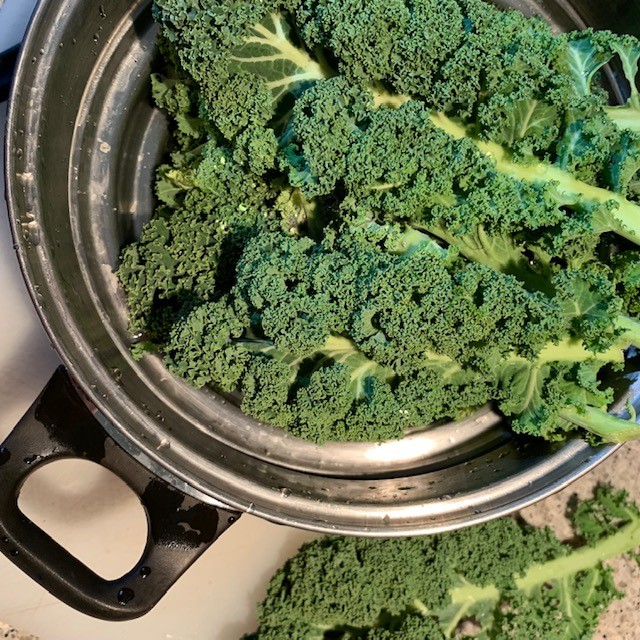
(285, 492)
(165, 443)
(31, 232)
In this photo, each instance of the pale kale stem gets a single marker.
(283, 83)
(384, 98)
(321, 630)
(499, 252)
(567, 350)
(387, 186)
(421, 608)
(286, 51)
(625, 117)
(558, 570)
(336, 348)
(464, 597)
(630, 328)
(526, 121)
(625, 219)
(344, 350)
(280, 42)
(573, 350)
(602, 424)
(626, 539)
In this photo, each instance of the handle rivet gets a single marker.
(125, 595)
(145, 572)
(5, 455)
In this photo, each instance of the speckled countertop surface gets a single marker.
(621, 470)
(7, 631)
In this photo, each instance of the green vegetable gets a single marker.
(504, 579)
(377, 214)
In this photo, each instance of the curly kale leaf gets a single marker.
(510, 580)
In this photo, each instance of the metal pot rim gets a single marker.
(424, 498)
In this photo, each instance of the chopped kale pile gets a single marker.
(501, 580)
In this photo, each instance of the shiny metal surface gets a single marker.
(82, 144)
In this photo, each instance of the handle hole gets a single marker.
(89, 511)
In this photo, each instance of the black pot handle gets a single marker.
(60, 425)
